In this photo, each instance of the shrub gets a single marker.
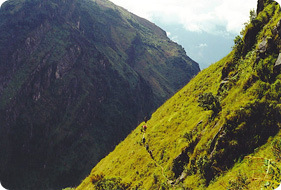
(276, 149)
(203, 165)
(188, 136)
(111, 184)
(273, 174)
(96, 178)
(209, 102)
(238, 47)
(102, 183)
(264, 68)
(240, 182)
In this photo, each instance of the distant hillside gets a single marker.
(75, 78)
(221, 131)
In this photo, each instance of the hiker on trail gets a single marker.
(143, 130)
(144, 127)
(150, 152)
(147, 147)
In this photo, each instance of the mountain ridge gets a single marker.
(221, 131)
(69, 71)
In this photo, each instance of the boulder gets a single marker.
(263, 46)
(267, 46)
(277, 65)
(278, 28)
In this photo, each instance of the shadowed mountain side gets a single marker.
(75, 78)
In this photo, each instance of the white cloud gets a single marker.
(212, 16)
(2, 1)
(173, 37)
(1, 187)
(203, 45)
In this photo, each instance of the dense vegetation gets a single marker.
(221, 131)
(75, 78)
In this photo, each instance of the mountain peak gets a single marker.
(262, 4)
(75, 78)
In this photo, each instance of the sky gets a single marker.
(204, 28)
(210, 16)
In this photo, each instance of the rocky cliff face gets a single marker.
(75, 77)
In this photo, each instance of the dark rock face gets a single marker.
(260, 6)
(75, 78)
(250, 37)
(255, 28)
(179, 162)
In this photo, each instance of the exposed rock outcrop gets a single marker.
(260, 6)
(180, 161)
(277, 65)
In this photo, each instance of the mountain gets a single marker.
(221, 131)
(75, 78)
(205, 47)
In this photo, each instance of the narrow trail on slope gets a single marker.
(159, 166)
(146, 145)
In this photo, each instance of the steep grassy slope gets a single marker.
(70, 70)
(221, 131)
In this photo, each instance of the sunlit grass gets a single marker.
(181, 123)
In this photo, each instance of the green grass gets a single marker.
(226, 150)
(72, 90)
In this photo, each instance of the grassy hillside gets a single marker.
(221, 131)
(75, 78)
